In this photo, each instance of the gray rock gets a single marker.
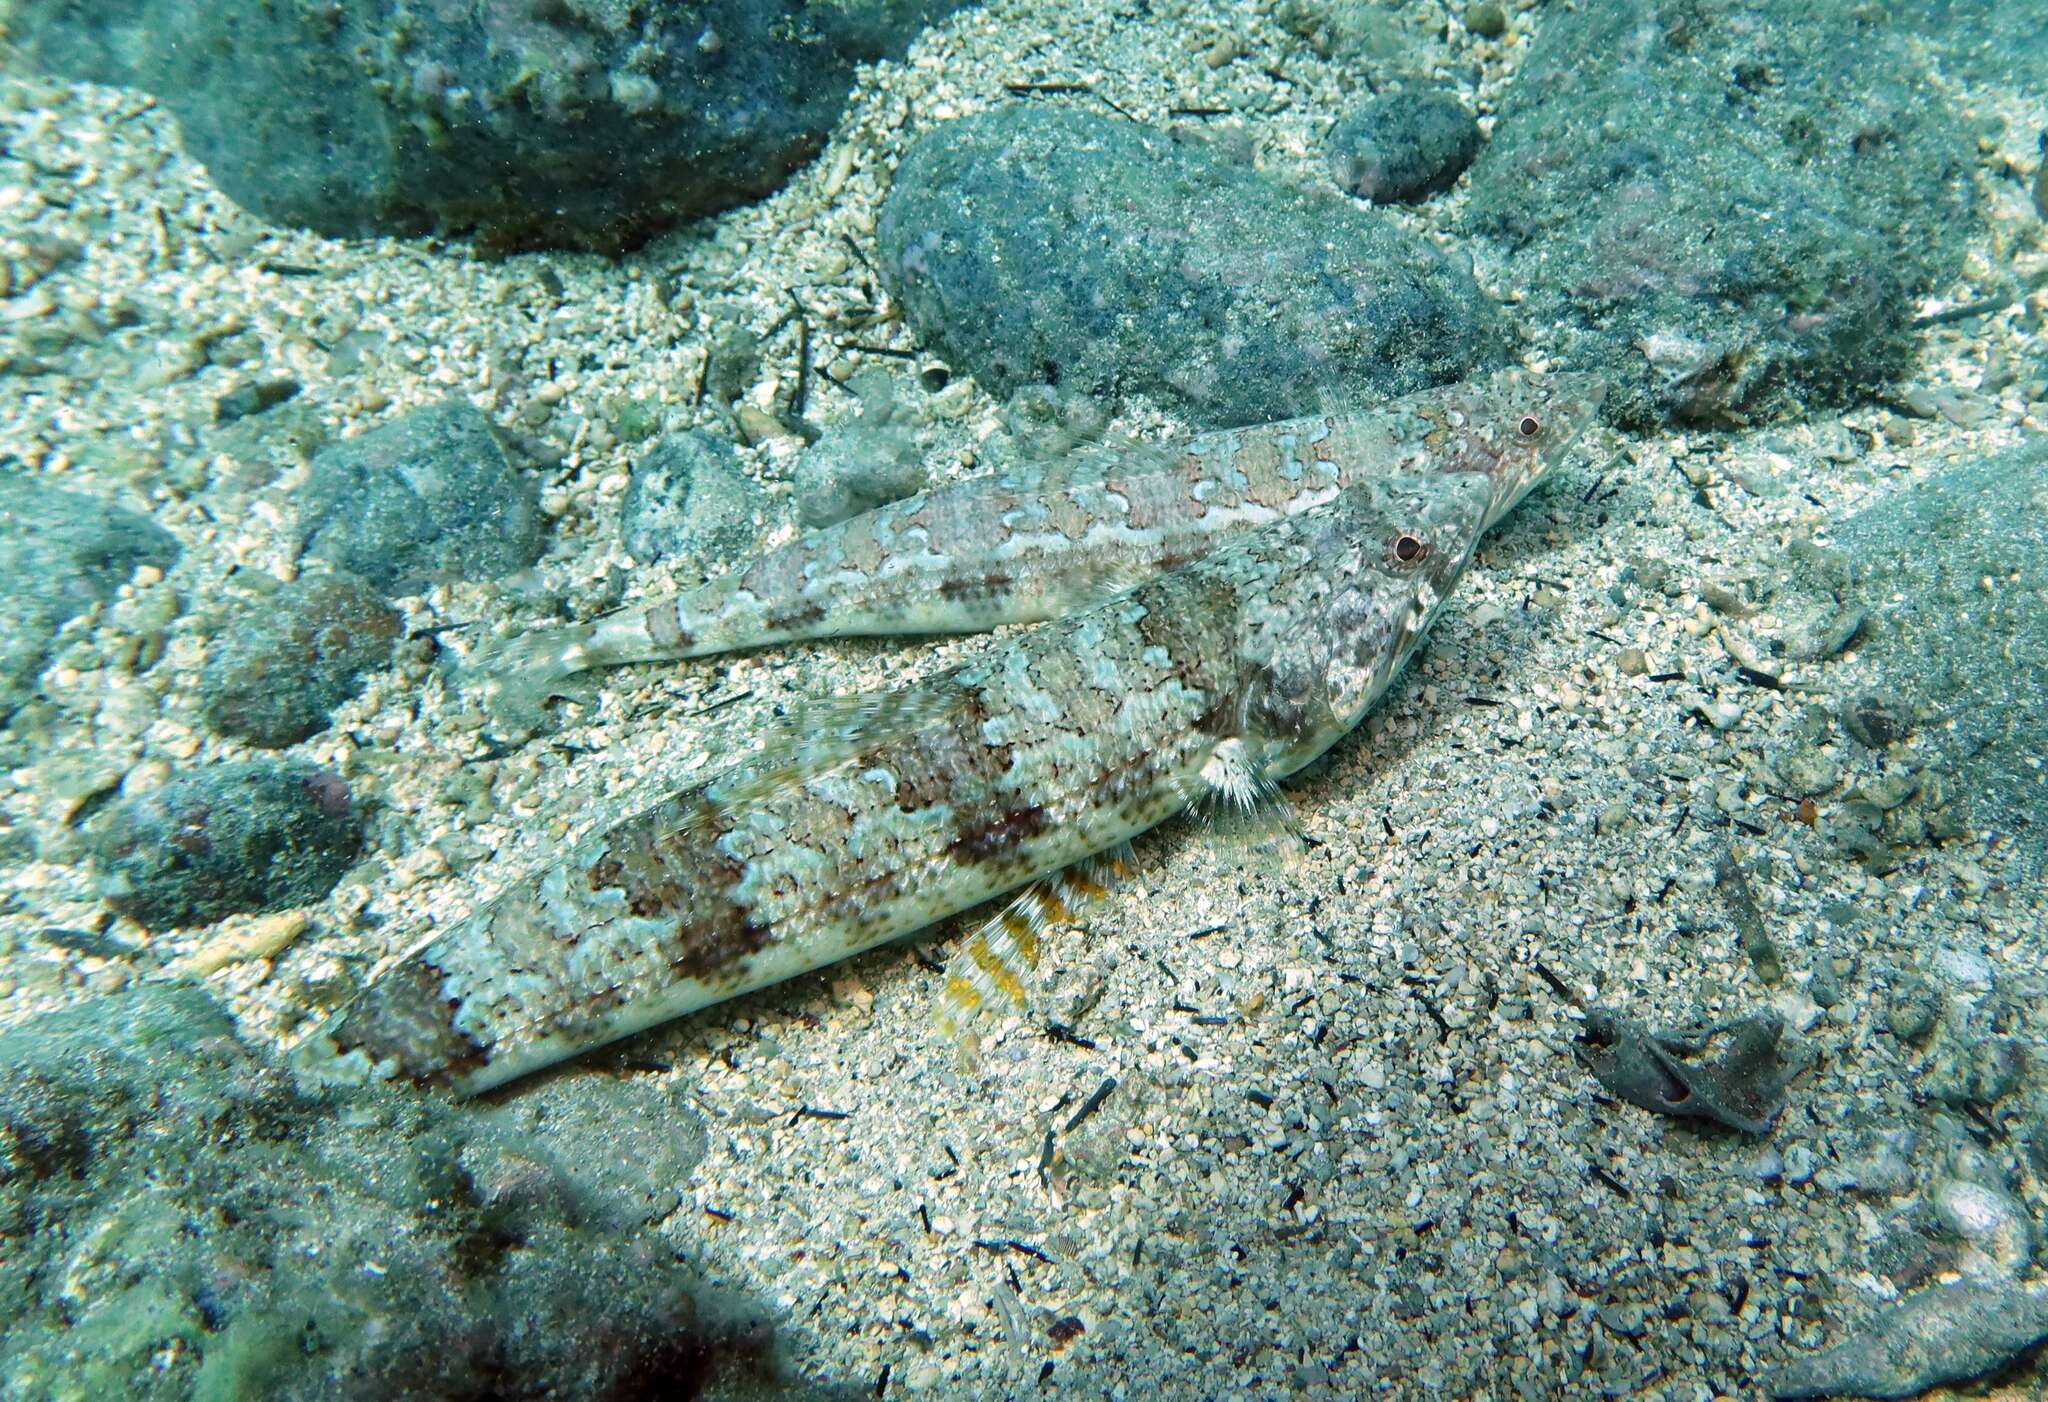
(1949, 1334)
(253, 397)
(859, 465)
(583, 123)
(1403, 146)
(255, 1238)
(1990, 1223)
(1913, 1010)
(60, 554)
(428, 496)
(1036, 244)
(1877, 720)
(687, 499)
(1726, 208)
(227, 838)
(289, 657)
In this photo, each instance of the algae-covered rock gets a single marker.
(293, 655)
(1038, 245)
(1726, 208)
(187, 1222)
(227, 838)
(584, 123)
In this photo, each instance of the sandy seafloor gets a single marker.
(1303, 1186)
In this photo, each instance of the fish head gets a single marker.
(1517, 426)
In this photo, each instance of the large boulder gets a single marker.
(1726, 208)
(569, 123)
(1038, 245)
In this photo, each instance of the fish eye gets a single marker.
(1409, 549)
(1531, 425)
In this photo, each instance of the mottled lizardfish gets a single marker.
(1293, 569)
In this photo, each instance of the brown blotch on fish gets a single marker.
(407, 1019)
(957, 588)
(951, 756)
(804, 615)
(993, 839)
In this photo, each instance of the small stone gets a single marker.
(858, 466)
(253, 398)
(732, 364)
(1807, 772)
(1633, 662)
(1487, 19)
(428, 496)
(687, 499)
(292, 655)
(1992, 1225)
(1016, 240)
(1913, 1009)
(758, 427)
(1403, 147)
(225, 839)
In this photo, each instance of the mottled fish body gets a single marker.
(1233, 670)
(1028, 545)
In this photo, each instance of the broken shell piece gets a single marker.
(1663, 1072)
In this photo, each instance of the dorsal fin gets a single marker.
(827, 731)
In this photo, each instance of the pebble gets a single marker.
(1913, 1009)
(253, 397)
(859, 465)
(290, 656)
(227, 838)
(687, 499)
(1991, 1224)
(1402, 147)
(428, 496)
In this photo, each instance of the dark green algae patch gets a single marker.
(185, 1220)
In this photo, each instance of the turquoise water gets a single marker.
(1647, 1007)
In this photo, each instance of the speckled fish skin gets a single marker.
(923, 802)
(1026, 546)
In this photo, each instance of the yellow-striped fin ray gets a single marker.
(992, 973)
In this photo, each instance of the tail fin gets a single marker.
(992, 973)
(515, 676)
